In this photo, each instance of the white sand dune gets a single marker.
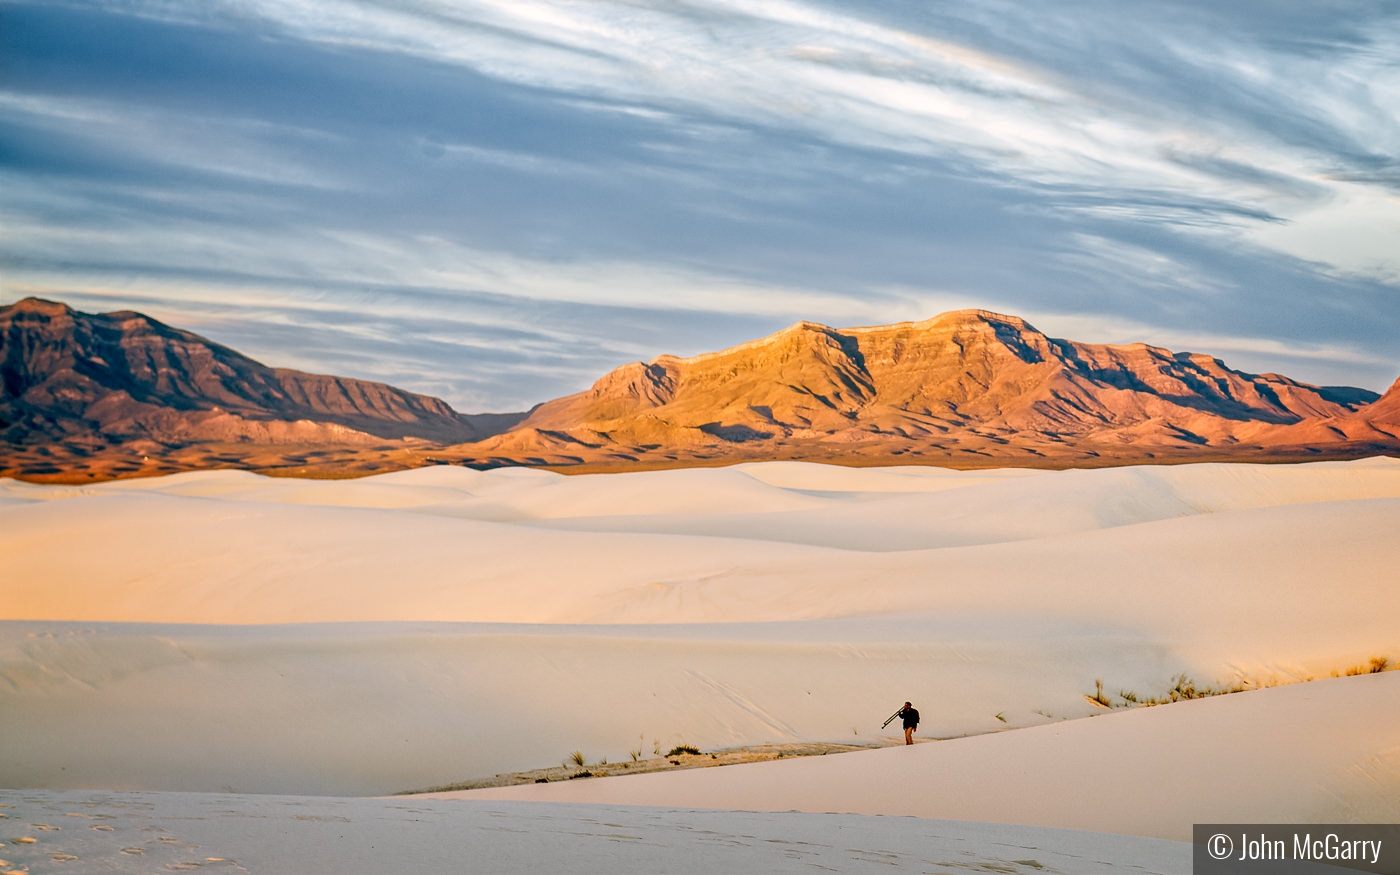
(379, 708)
(298, 835)
(221, 631)
(229, 547)
(1324, 752)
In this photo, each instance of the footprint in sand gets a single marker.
(134, 851)
(24, 840)
(105, 828)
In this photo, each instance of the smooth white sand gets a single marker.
(443, 624)
(1121, 545)
(1323, 752)
(348, 709)
(298, 835)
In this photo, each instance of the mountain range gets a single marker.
(89, 396)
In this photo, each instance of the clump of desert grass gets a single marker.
(1378, 665)
(1184, 688)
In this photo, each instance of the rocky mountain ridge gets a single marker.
(970, 382)
(91, 396)
(116, 377)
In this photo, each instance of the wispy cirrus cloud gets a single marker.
(496, 201)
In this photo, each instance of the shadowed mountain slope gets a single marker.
(114, 377)
(1386, 410)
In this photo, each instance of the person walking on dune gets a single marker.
(911, 721)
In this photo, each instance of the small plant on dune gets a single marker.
(1378, 664)
(1099, 698)
(1001, 716)
(603, 761)
(1128, 696)
(577, 758)
(683, 748)
(1184, 688)
(656, 746)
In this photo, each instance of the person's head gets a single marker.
(908, 704)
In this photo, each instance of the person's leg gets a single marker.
(908, 735)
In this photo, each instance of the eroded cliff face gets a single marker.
(66, 375)
(969, 380)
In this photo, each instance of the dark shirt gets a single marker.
(911, 717)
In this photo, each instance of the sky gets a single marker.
(496, 202)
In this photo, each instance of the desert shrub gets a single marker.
(683, 748)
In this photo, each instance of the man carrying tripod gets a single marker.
(911, 721)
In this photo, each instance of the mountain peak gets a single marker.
(952, 320)
(39, 305)
(974, 316)
(793, 334)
